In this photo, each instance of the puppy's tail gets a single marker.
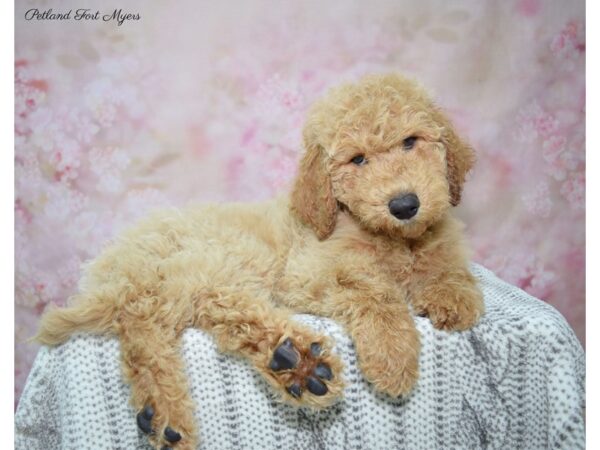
(58, 324)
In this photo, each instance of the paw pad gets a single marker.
(284, 357)
(316, 386)
(323, 371)
(295, 390)
(144, 422)
(172, 435)
(315, 349)
(306, 370)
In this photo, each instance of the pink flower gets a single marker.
(571, 39)
(569, 45)
(108, 164)
(562, 160)
(552, 148)
(538, 201)
(533, 123)
(573, 190)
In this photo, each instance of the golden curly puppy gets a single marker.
(365, 236)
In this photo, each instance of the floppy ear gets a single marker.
(460, 158)
(312, 195)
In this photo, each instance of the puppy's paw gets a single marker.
(164, 435)
(304, 371)
(452, 307)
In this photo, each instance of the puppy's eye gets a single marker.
(359, 160)
(409, 142)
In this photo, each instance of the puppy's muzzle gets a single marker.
(404, 206)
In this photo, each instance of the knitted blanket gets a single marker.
(514, 381)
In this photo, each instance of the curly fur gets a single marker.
(332, 248)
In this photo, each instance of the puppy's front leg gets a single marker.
(452, 300)
(387, 343)
(377, 317)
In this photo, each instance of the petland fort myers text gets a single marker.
(82, 14)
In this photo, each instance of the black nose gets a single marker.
(405, 206)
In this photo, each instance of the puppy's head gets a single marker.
(381, 149)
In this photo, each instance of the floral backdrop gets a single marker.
(198, 101)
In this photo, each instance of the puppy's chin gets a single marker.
(412, 230)
(404, 229)
(379, 221)
(394, 228)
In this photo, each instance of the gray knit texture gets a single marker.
(515, 381)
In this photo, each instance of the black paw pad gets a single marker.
(323, 371)
(144, 420)
(295, 390)
(148, 412)
(315, 349)
(316, 386)
(171, 435)
(285, 357)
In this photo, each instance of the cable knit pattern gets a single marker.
(514, 381)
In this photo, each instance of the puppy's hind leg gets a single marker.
(152, 362)
(294, 359)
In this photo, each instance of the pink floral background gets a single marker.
(205, 101)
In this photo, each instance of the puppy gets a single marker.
(365, 237)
